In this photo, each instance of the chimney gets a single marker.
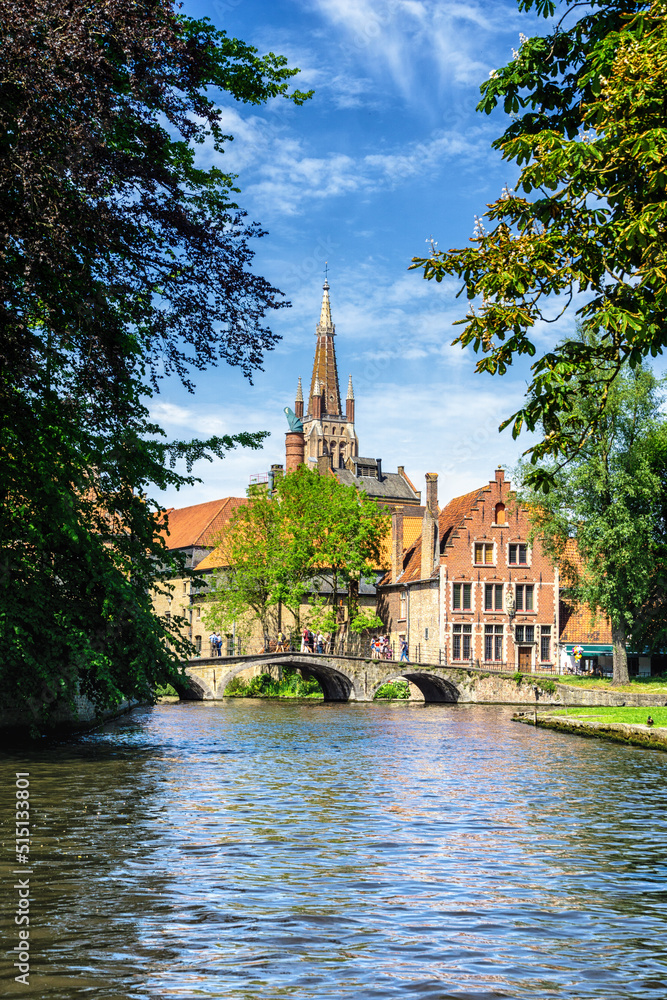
(500, 475)
(379, 466)
(430, 526)
(396, 545)
(298, 403)
(295, 449)
(432, 492)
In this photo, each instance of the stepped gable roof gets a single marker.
(201, 524)
(579, 625)
(451, 517)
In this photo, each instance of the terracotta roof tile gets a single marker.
(578, 624)
(200, 524)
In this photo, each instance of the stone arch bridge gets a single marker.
(352, 678)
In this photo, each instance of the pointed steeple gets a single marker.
(298, 402)
(325, 323)
(325, 370)
(349, 402)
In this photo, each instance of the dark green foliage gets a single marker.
(121, 260)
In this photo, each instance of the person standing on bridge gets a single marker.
(404, 650)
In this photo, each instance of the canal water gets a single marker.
(261, 850)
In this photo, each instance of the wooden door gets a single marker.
(525, 657)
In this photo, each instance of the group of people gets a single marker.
(312, 642)
(215, 639)
(381, 649)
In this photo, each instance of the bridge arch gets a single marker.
(335, 683)
(196, 688)
(433, 687)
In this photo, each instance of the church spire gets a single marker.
(350, 390)
(325, 371)
(325, 323)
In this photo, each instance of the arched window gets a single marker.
(500, 513)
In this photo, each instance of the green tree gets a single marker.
(122, 260)
(253, 580)
(603, 519)
(337, 529)
(584, 226)
(283, 545)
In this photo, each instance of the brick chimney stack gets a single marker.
(295, 450)
(396, 545)
(430, 526)
(432, 492)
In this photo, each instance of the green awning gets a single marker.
(590, 650)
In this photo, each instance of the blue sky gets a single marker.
(387, 153)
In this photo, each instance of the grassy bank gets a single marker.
(618, 724)
(647, 685)
(608, 713)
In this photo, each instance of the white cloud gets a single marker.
(282, 176)
(416, 40)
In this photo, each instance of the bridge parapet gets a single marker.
(356, 678)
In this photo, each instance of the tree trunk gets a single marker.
(619, 639)
(352, 600)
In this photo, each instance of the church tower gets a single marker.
(327, 430)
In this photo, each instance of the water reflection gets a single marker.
(255, 850)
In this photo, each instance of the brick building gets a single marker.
(471, 587)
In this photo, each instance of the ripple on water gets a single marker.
(259, 851)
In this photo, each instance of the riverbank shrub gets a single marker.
(394, 690)
(546, 685)
(291, 685)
